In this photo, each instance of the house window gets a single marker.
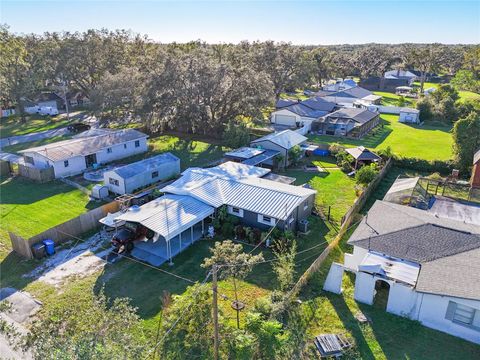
(29, 160)
(305, 206)
(124, 146)
(65, 163)
(267, 220)
(137, 143)
(463, 315)
(154, 174)
(109, 150)
(235, 211)
(113, 182)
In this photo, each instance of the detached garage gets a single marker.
(285, 117)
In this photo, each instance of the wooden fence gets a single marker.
(35, 174)
(63, 232)
(346, 222)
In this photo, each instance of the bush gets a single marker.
(263, 306)
(240, 232)
(236, 134)
(336, 148)
(227, 229)
(294, 154)
(366, 174)
(421, 165)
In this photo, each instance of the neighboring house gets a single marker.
(178, 218)
(340, 85)
(347, 97)
(77, 98)
(70, 157)
(363, 156)
(375, 83)
(300, 113)
(129, 178)
(475, 179)
(352, 122)
(50, 99)
(401, 74)
(281, 141)
(425, 259)
(409, 115)
(252, 156)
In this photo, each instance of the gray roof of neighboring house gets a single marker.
(317, 103)
(447, 249)
(354, 92)
(303, 110)
(281, 103)
(66, 149)
(362, 153)
(476, 157)
(286, 138)
(360, 116)
(47, 96)
(145, 165)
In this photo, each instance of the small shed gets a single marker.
(409, 116)
(126, 179)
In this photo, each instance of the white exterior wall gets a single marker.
(401, 300)
(352, 261)
(120, 189)
(432, 310)
(40, 162)
(406, 117)
(119, 151)
(284, 112)
(51, 103)
(346, 101)
(75, 166)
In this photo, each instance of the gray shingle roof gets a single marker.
(317, 103)
(281, 103)
(360, 116)
(457, 275)
(422, 243)
(354, 92)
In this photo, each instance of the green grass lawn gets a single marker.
(425, 142)
(26, 145)
(464, 95)
(28, 208)
(12, 126)
(390, 99)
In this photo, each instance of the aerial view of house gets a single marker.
(353, 122)
(191, 180)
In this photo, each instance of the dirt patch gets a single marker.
(82, 260)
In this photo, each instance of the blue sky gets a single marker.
(299, 22)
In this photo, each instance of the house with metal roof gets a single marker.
(294, 113)
(426, 262)
(129, 178)
(281, 141)
(178, 218)
(73, 156)
(352, 122)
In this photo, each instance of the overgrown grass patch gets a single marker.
(13, 126)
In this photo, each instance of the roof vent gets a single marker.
(134, 208)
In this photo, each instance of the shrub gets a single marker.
(366, 174)
(336, 148)
(227, 229)
(294, 154)
(421, 165)
(263, 306)
(240, 232)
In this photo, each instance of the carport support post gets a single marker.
(180, 237)
(169, 249)
(203, 227)
(191, 231)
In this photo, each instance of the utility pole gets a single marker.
(215, 311)
(64, 87)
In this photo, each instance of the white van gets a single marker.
(48, 110)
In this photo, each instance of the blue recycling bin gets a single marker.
(49, 246)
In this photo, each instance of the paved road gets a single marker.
(45, 134)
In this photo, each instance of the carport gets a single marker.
(177, 221)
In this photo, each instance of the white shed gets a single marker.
(128, 178)
(409, 115)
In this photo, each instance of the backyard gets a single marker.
(425, 142)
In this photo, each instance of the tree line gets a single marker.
(196, 87)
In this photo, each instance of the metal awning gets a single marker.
(258, 159)
(404, 271)
(169, 215)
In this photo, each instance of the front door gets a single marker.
(90, 160)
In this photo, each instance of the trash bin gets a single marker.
(38, 250)
(49, 246)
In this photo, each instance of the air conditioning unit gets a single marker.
(303, 225)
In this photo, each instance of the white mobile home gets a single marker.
(71, 157)
(126, 179)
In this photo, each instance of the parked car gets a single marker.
(47, 110)
(124, 238)
(78, 127)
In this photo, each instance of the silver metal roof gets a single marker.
(66, 149)
(145, 165)
(169, 215)
(286, 138)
